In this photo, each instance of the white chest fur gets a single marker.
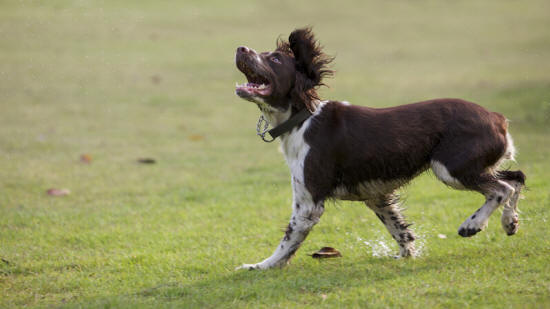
(295, 150)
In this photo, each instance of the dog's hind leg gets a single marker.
(510, 217)
(388, 211)
(496, 192)
(305, 214)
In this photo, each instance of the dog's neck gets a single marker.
(284, 122)
(275, 116)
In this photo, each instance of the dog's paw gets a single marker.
(510, 222)
(407, 251)
(470, 227)
(250, 267)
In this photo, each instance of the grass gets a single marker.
(122, 80)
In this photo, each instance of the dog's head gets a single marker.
(287, 77)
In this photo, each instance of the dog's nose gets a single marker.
(243, 49)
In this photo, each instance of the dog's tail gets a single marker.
(518, 176)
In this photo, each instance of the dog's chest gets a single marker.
(295, 150)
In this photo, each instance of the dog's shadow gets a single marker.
(290, 283)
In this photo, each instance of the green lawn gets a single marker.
(122, 80)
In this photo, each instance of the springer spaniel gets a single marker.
(340, 151)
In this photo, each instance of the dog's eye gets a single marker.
(275, 59)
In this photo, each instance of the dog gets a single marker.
(335, 150)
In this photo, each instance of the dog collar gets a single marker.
(281, 129)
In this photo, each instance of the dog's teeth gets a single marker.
(262, 86)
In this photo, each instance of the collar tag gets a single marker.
(261, 132)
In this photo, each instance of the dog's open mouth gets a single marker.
(257, 84)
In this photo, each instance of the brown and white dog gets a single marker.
(348, 152)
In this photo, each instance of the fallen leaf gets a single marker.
(147, 160)
(196, 137)
(156, 79)
(58, 192)
(324, 296)
(86, 158)
(326, 252)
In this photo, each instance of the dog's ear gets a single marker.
(310, 59)
(311, 66)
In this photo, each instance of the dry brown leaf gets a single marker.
(196, 137)
(326, 252)
(147, 161)
(86, 158)
(58, 192)
(156, 79)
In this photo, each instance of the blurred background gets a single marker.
(118, 81)
(123, 79)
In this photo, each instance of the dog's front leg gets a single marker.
(305, 214)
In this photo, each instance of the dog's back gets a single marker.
(395, 144)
